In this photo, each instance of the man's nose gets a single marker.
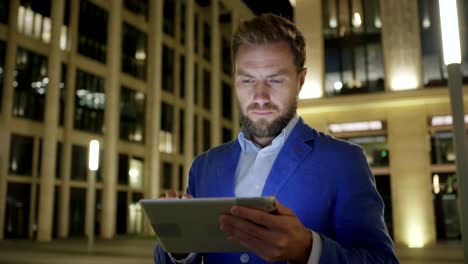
(261, 93)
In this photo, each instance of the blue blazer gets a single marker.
(325, 181)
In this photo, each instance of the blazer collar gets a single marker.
(294, 151)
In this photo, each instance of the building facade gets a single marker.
(152, 81)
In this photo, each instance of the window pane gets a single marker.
(21, 155)
(181, 131)
(227, 101)
(122, 212)
(167, 128)
(382, 183)
(445, 196)
(169, 17)
(226, 51)
(34, 19)
(63, 94)
(182, 76)
(196, 29)
(181, 179)
(195, 134)
(207, 41)
(166, 175)
(376, 148)
(206, 134)
(132, 115)
(227, 134)
(206, 89)
(79, 163)
(92, 31)
(89, 102)
(123, 169)
(139, 7)
(134, 51)
(195, 85)
(17, 210)
(442, 149)
(2, 67)
(353, 53)
(168, 69)
(30, 85)
(136, 173)
(77, 212)
(4, 9)
(59, 161)
(182, 23)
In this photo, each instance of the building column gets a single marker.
(153, 120)
(401, 45)
(413, 211)
(49, 145)
(309, 21)
(111, 120)
(215, 75)
(189, 88)
(66, 159)
(235, 106)
(7, 105)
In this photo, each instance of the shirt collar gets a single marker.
(247, 144)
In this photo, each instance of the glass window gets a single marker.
(62, 94)
(196, 29)
(34, 19)
(166, 175)
(226, 51)
(181, 131)
(376, 149)
(136, 173)
(89, 102)
(123, 169)
(77, 211)
(2, 66)
(17, 210)
(134, 50)
(79, 165)
(195, 134)
(382, 183)
(353, 48)
(21, 155)
(435, 71)
(206, 89)
(169, 17)
(182, 23)
(92, 31)
(206, 41)
(168, 69)
(167, 128)
(4, 9)
(445, 196)
(227, 101)
(182, 76)
(139, 7)
(30, 85)
(132, 115)
(181, 179)
(195, 85)
(206, 134)
(122, 212)
(227, 134)
(443, 151)
(59, 161)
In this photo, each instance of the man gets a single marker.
(328, 208)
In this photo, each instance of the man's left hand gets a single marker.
(274, 237)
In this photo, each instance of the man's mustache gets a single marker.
(267, 107)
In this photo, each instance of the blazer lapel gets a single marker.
(293, 152)
(226, 175)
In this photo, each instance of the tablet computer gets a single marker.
(191, 225)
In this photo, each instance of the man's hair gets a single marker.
(267, 29)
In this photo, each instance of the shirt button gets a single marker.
(244, 258)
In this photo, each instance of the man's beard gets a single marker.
(263, 128)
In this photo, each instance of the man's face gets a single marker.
(267, 86)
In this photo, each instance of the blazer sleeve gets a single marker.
(360, 234)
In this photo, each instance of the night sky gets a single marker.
(279, 7)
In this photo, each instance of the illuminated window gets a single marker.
(132, 115)
(134, 51)
(353, 50)
(167, 128)
(21, 155)
(445, 196)
(92, 31)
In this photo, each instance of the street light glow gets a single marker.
(450, 32)
(93, 161)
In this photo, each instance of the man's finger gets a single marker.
(282, 210)
(254, 215)
(171, 194)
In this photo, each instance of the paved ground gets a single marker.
(129, 251)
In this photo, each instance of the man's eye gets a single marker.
(276, 81)
(247, 81)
